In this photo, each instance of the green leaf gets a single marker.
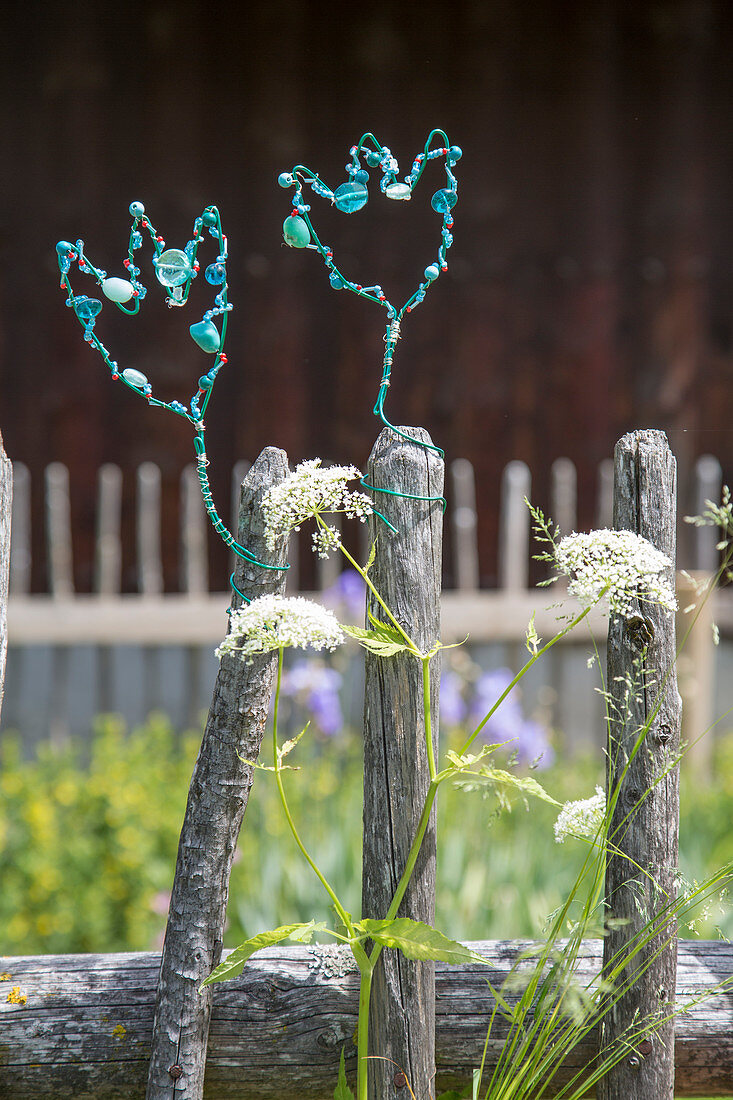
(234, 962)
(372, 556)
(384, 642)
(525, 784)
(417, 940)
(288, 746)
(342, 1090)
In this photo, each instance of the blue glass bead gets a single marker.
(87, 309)
(206, 335)
(137, 209)
(432, 272)
(295, 232)
(136, 240)
(205, 383)
(350, 197)
(215, 274)
(173, 267)
(373, 158)
(336, 281)
(361, 176)
(400, 191)
(135, 378)
(117, 290)
(208, 217)
(285, 179)
(454, 153)
(64, 247)
(322, 190)
(443, 201)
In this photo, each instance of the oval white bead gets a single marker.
(136, 378)
(399, 191)
(117, 290)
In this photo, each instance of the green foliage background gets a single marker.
(88, 839)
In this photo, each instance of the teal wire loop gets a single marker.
(407, 496)
(239, 593)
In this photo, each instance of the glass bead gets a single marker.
(135, 378)
(373, 158)
(173, 267)
(87, 309)
(215, 274)
(322, 190)
(117, 290)
(454, 153)
(295, 232)
(350, 197)
(443, 201)
(64, 247)
(400, 191)
(136, 240)
(137, 209)
(336, 281)
(206, 335)
(285, 179)
(208, 217)
(205, 383)
(361, 176)
(432, 272)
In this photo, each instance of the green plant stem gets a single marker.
(365, 577)
(427, 715)
(362, 1033)
(343, 915)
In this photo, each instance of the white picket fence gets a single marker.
(72, 654)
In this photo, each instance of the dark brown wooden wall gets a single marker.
(590, 287)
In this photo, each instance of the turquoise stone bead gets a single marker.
(206, 335)
(205, 383)
(295, 232)
(64, 247)
(215, 274)
(117, 290)
(373, 158)
(454, 153)
(400, 191)
(361, 176)
(443, 201)
(285, 179)
(135, 378)
(87, 308)
(173, 267)
(336, 281)
(350, 197)
(432, 272)
(137, 209)
(208, 217)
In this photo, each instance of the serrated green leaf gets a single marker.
(523, 783)
(372, 556)
(380, 642)
(235, 961)
(288, 746)
(342, 1090)
(417, 940)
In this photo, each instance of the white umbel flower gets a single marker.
(622, 562)
(274, 622)
(312, 490)
(582, 818)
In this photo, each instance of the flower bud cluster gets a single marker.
(310, 491)
(582, 818)
(621, 565)
(276, 622)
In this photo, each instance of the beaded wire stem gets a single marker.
(175, 270)
(298, 232)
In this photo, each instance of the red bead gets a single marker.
(115, 377)
(197, 266)
(223, 359)
(145, 223)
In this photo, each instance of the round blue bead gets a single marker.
(137, 209)
(443, 201)
(432, 272)
(362, 176)
(285, 179)
(63, 247)
(350, 197)
(455, 153)
(87, 308)
(373, 158)
(336, 281)
(215, 274)
(208, 217)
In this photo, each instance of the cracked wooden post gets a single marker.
(6, 503)
(643, 649)
(407, 573)
(217, 800)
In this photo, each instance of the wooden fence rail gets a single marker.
(277, 1031)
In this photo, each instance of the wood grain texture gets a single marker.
(6, 507)
(277, 1030)
(640, 880)
(407, 573)
(217, 800)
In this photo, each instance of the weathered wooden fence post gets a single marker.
(641, 879)
(407, 572)
(6, 503)
(217, 801)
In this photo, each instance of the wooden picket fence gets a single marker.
(49, 632)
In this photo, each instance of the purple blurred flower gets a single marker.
(452, 704)
(528, 739)
(316, 687)
(347, 593)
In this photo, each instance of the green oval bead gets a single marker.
(206, 335)
(295, 232)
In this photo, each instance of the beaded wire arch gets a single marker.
(175, 269)
(299, 232)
